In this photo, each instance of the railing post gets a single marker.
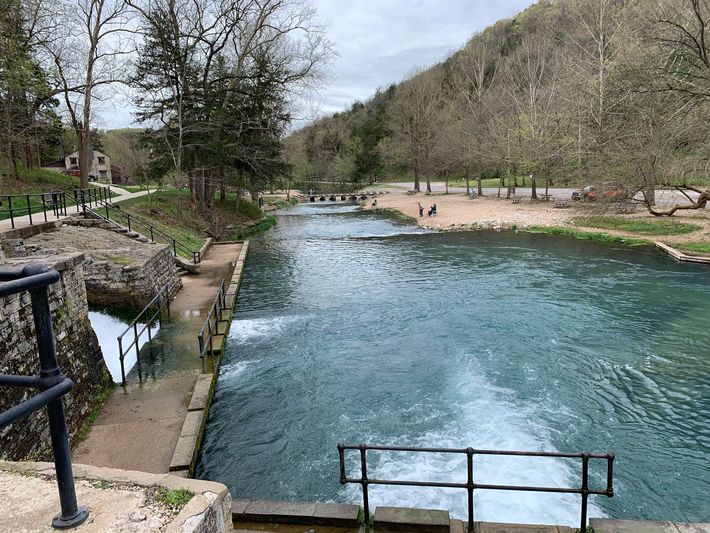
(174, 248)
(44, 207)
(29, 208)
(363, 482)
(609, 475)
(138, 351)
(71, 514)
(201, 343)
(121, 356)
(470, 487)
(12, 216)
(151, 234)
(585, 491)
(129, 222)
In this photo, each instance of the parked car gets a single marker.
(614, 191)
(72, 172)
(587, 193)
(93, 177)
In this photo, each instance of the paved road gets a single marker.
(663, 197)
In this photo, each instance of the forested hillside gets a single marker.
(568, 92)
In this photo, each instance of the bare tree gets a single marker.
(531, 84)
(87, 51)
(414, 116)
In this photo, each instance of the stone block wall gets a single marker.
(78, 353)
(133, 285)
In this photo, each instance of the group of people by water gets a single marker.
(430, 213)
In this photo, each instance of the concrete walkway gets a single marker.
(24, 221)
(140, 425)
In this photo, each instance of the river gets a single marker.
(354, 327)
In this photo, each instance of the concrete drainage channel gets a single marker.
(188, 446)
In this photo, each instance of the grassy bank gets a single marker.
(34, 181)
(587, 235)
(170, 211)
(702, 247)
(666, 226)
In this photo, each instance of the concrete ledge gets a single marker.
(201, 393)
(35, 229)
(209, 510)
(495, 527)
(604, 525)
(682, 256)
(410, 519)
(297, 513)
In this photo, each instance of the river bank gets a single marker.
(459, 212)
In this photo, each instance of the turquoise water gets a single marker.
(354, 328)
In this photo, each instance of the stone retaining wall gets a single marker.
(112, 284)
(118, 270)
(78, 353)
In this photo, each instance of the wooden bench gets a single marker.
(560, 203)
(546, 197)
(516, 199)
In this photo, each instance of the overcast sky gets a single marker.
(378, 42)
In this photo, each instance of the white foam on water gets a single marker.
(234, 370)
(248, 329)
(489, 418)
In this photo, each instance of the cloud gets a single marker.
(379, 42)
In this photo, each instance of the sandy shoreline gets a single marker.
(457, 211)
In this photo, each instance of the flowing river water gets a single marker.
(353, 327)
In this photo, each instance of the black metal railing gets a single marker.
(584, 490)
(144, 321)
(52, 384)
(92, 197)
(104, 210)
(211, 325)
(13, 206)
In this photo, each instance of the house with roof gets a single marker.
(99, 169)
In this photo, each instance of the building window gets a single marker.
(102, 160)
(102, 173)
(73, 160)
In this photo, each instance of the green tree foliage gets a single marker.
(29, 123)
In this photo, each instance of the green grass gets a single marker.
(99, 400)
(702, 247)
(642, 227)
(174, 499)
(189, 226)
(586, 235)
(121, 260)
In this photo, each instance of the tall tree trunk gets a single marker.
(428, 183)
(533, 184)
(84, 138)
(479, 183)
(416, 179)
(468, 184)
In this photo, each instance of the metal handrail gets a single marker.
(214, 314)
(131, 221)
(52, 384)
(470, 486)
(55, 202)
(162, 299)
